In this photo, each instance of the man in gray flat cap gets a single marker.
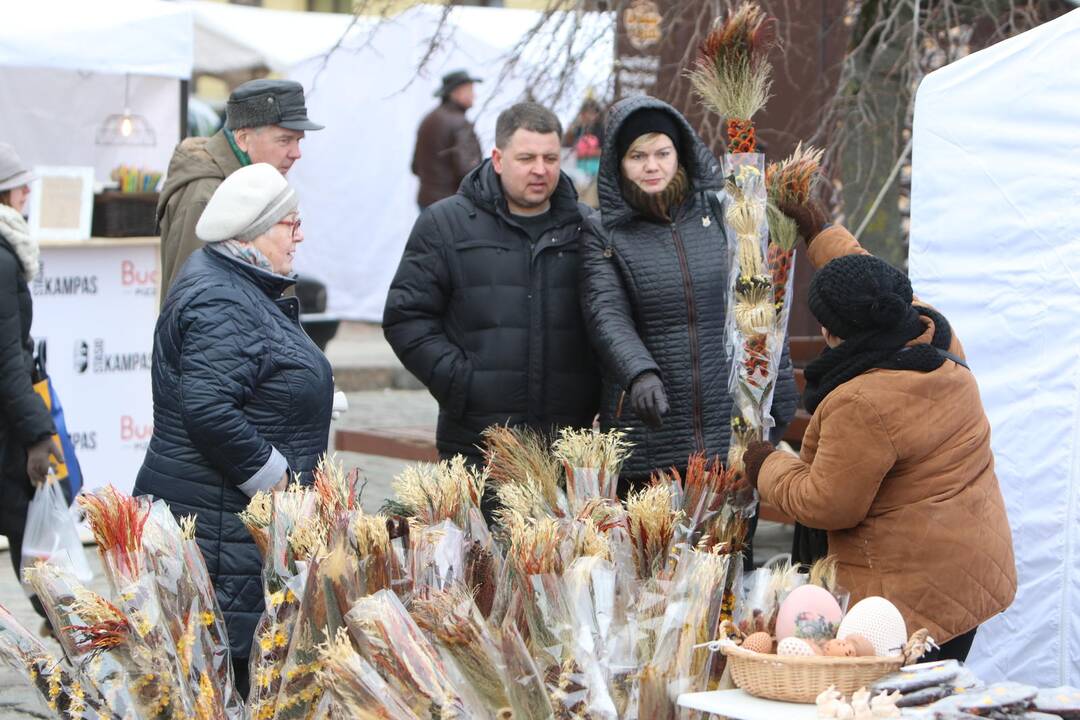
(446, 145)
(265, 120)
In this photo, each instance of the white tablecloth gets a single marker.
(738, 705)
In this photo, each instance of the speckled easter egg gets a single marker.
(839, 648)
(809, 612)
(795, 647)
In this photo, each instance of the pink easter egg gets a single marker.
(809, 612)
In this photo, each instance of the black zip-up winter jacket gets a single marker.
(654, 297)
(490, 324)
(24, 420)
(241, 395)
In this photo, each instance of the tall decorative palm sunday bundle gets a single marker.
(732, 77)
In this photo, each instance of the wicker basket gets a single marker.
(802, 679)
(119, 214)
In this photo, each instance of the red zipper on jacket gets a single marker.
(695, 359)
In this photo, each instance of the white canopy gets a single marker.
(234, 37)
(66, 65)
(141, 37)
(995, 245)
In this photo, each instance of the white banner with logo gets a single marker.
(95, 305)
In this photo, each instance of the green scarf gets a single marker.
(242, 156)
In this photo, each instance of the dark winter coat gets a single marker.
(489, 323)
(241, 395)
(24, 419)
(446, 150)
(654, 296)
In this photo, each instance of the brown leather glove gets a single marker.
(810, 217)
(754, 458)
(37, 459)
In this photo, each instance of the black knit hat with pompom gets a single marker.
(855, 294)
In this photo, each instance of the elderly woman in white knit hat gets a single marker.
(242, 396)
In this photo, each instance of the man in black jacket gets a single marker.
(484, 306)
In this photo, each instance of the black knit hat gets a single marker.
(859, 293)
(645, 121)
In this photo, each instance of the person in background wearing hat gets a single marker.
(26, 427)
(242, 396)
(265, 122)
(896, 463)
(484, 310)
(654, 291)
(446, 145)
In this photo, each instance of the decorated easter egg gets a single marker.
(795, 647)
(759, 642)
(838, 648)
(809, 612)
(877, 620)
(863, 647)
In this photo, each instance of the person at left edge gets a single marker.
(242, 396)
(26, 427)
(484, 307)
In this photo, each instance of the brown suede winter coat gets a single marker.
(446, 150)
(896, 465)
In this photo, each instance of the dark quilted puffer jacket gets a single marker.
(654, 297)
(490, 323)
(239, 391)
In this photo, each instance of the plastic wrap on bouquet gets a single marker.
(453, 619)
(357, 688)
(437, 556)
(190, 608)
(93, 634)
(392, 642)
(56, 682)
(284, 581)
(757, 322)
(592, 461)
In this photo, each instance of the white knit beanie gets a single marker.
(246, 205)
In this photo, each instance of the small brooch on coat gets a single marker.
(608, 252)
(706, 221)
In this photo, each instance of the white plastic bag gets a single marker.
(51, 534)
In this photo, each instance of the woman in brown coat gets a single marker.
(896, 463)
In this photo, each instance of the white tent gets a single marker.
(358, 196)
(63, 69)
(995, 244)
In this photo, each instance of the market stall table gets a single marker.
(739, 705)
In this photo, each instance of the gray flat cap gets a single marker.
(268, 102)
(13, 173)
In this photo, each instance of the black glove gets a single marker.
(649, 399)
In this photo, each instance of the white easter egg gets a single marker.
(877, 620)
